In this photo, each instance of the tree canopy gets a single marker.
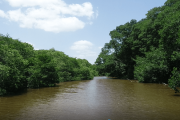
(22, 67)
(147, 50)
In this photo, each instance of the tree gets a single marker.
(174, 81)
(153, 67)
(12, 71)
(21, 67)
(146, 50)
(43, 72)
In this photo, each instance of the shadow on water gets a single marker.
(106, 77)
(16, 94)
(176, 94)
(22, 92)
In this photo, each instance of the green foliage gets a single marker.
(115, 58)
(152, 67)
(146, 50)
(12, 70)
(174, 81)
(43, 72)
(4, 72)
(86, 71)
(22, 67)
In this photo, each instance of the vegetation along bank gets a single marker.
(147, 50)
(22, 67)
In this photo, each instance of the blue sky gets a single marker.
(79, 28)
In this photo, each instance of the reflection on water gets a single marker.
(97, 99)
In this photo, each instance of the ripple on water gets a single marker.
(100, 98)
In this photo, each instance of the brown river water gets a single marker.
(99, 99)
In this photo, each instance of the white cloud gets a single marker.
(83, 49)
(32, 45)
(97, 14)
(2, 14)
(81, 45)
(49, 15)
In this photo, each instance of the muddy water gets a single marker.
(98, 99)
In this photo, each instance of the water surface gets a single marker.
(98, 99)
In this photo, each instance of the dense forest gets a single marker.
(22, 67)
(147, 50)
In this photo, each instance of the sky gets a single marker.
(79, 28)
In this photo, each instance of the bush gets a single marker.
(152, 68)
(174, 81)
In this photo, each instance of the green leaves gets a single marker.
(115, 57)
(146, 50)
(174, 81)
(151, 68)
(22, 67)
(12, 67)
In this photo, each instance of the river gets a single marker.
(99, 99)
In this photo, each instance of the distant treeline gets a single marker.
(147, 50)
(22, 67)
